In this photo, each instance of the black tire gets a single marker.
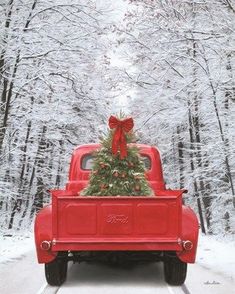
(56, 271)
(175, 270)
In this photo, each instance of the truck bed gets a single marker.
(116, 223)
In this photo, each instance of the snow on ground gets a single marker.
(217, 254)
(13, 247)
(214, 252)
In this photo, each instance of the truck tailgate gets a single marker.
(116, 223)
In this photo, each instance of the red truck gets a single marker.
(117, 229)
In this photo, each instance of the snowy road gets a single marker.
(25, 276)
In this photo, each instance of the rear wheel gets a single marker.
(56, 271)
(175, 270)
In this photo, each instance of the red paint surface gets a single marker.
(116, 223)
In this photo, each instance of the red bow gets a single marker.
(119, 138)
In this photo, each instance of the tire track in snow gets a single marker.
(185, 289)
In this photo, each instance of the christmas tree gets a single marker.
(117, 167)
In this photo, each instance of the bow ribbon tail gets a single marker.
(116, 140)
(123, 146)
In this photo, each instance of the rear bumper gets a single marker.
(109, 244)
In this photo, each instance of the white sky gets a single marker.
(117, 10)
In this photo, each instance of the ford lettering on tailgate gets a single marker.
(117, 219)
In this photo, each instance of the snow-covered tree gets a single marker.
(53, 85)
(182, 66)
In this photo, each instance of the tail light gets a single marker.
(187, 245)
(45, 245)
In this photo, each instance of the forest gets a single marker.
(66, 66)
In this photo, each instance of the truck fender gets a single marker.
(190, 228)
(43, 232)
